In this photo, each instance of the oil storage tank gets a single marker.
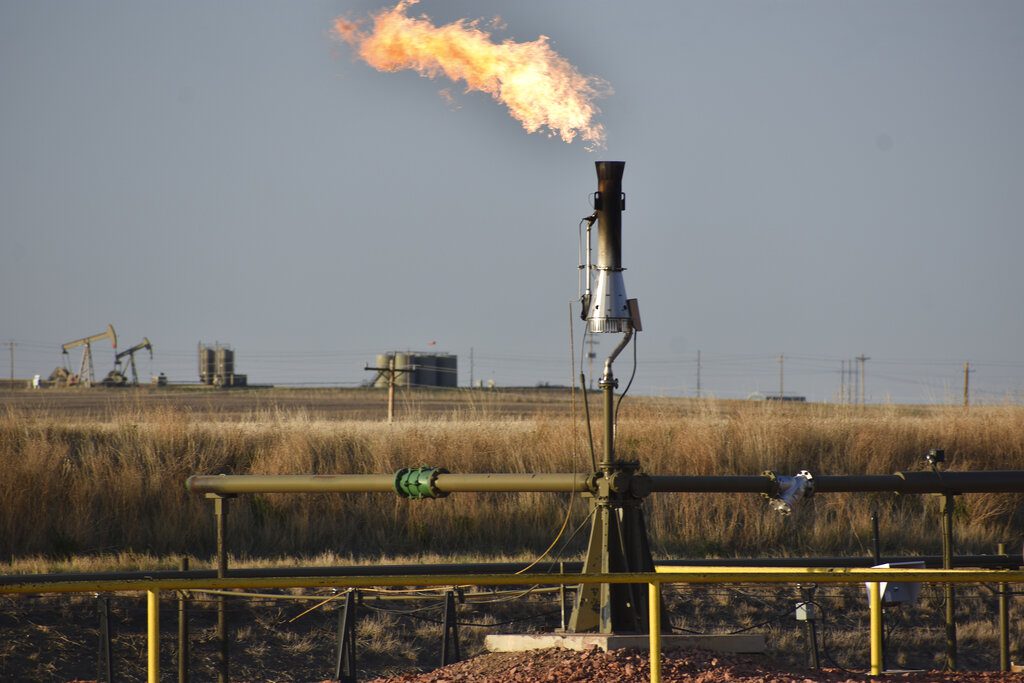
(416, 369)
(382, 362)
(425, 373)
(447, 370)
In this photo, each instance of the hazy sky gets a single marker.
(810, 178)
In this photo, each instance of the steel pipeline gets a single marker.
(991, 481)
(371, 483)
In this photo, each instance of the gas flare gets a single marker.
(541, 89)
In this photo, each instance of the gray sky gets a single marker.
(816, 179)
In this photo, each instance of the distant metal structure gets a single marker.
(117, 376)
(217, 366)
(85, 376)
(417, 369)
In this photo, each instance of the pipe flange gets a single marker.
(419, 482)
(809, 489)
(640, 486)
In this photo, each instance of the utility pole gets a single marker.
(591, 343)
(470, 367)
(967, 384)
(862, 359)
(391, 372)
(698, 373)
(842, 381)
(11, 345)
(851, 382)
(782, 362)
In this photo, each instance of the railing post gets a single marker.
(654, 613)
(345, 663)
(948, 503)
(450, 632)
(561, 594)
(1004, 620)
(810, 630)
(153, 635)
(875, 604)
(105, 663)
(220, 511)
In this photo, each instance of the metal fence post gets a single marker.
(105, 666)
(451, 632)
(948, 503)
(810, 630)
(345, 664)
(183, 630)
(1004, 620)
(220, 511)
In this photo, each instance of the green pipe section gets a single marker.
(291, 483)
(419, 482)
(511, 483)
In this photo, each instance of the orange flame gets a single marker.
(540, 88)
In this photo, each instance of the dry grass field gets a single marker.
(109, 480)
(94, 480)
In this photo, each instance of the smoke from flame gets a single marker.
(540, 88)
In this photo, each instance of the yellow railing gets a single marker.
(663, 575)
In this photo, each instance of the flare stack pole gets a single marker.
(618, 533)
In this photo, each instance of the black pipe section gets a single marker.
(609, 204)
(955, 483)
(931, 562)
(719, 484)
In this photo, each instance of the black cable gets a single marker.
(402, 612)
(586, 414)
(824, 642)
(777, 617)
(429, 620)
(565, 543)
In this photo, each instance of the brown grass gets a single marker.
(100, 486)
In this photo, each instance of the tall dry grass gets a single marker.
(97, 487)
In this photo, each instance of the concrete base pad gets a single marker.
(742, 643)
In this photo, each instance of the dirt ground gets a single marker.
(56, 638)
(630, 666)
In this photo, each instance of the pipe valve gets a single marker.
(788, 491)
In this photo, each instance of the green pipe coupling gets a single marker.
(418, 482)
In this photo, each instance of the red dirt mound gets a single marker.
(630, 666)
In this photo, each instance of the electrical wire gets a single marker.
(586, 413)
(824, 641)
(462, 623)
(572, 494)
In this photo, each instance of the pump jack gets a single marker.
(117, 377)
(85, 376)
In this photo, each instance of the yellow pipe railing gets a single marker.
(663, 575)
